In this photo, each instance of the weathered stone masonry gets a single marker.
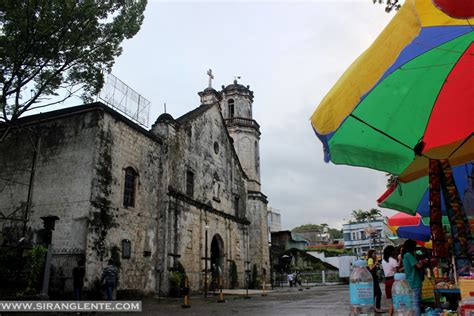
(193, 176)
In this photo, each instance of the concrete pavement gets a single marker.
(318, 300)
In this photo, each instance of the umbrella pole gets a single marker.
(460, 228)
(455, 273)
(438, 236)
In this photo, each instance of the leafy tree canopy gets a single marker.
(390, 5)
(307, 227)
(362, 216)
(333, 232)
(52, 44)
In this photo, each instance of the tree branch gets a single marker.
(43, 65)
(70, 94)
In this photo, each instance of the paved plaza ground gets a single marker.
(326, 300)
(319, 300)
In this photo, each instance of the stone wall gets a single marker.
(119, 146)
(199, 143)
(80, 173)
(63, 176)
(259, 248)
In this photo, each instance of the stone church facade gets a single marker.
(186, 192)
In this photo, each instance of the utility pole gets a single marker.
(36, 148)
(206, 227)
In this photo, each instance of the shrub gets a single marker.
(115, 256)
(175, 283)
(34, 266)
(233, 275)
(176, 279)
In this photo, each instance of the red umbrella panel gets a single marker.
(402, 219)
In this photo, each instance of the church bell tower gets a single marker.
(236, 106)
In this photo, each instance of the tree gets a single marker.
(335, 233)
(359, 215)
(306, 227)
(362, 216)
(390, 5)
(373, 213)
(52, 44)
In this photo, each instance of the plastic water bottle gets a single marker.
(402, 296)
(361, 289)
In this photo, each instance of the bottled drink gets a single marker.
(361, 289)
(402, 296)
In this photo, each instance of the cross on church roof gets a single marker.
(211, 76)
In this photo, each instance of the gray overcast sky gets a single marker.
(290, 53)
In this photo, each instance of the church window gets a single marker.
(230, 105)
(216, 187)
(190, 183)
(189, 241)
(237, 248)
(257, 159)
(129, 187)
(236, 206)
(126, 249)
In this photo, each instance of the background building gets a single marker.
(361, 236)
(274, 220)
(286, 239)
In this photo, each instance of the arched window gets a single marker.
(129, 187)
(190, 183)
(216, 187)
(126, 249)
(237, 206)
(230, 105)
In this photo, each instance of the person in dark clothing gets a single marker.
(372, 266)
(78, 274)
(110, 278)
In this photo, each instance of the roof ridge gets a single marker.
(195, 112)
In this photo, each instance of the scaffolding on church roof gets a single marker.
(123, 98)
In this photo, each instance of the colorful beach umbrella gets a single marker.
(407, 99)
(413, 226)
(413, 197)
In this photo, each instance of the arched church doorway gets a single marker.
(217, 260)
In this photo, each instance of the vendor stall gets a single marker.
(448, 285)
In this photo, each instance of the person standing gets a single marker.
(414, 272)
(291, 278)
(400, 259)
(78, 274)
(390, 267)
(110, 278)
(298, 278)
(373, 268)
